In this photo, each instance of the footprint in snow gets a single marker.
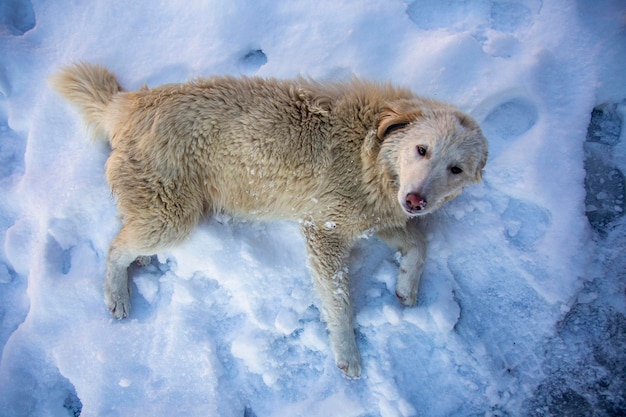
(17, 16)
(506, 20)
(507, 120)
(510, 17)
(460, 16)
(525, 223)
(493, 24)
(62, 237)
(429, 15)
(252, 60)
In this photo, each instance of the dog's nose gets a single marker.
(415, 202)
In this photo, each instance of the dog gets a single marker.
(343, 159)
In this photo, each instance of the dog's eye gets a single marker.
(421, 150)
(456, 170)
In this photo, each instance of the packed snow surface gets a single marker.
(521, 307)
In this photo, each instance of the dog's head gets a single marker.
(434, 151)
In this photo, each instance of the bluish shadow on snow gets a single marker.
(40, 373)
(12, 148)
(525, 223)
(510, 17)
(17, 16)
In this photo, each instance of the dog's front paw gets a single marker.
(118, 303)
(406, 287)
(350, 366)
(408, 300)
(348, 359)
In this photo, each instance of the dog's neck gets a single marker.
(380, 181)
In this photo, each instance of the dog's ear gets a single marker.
(481, 166)
(481, 143)
(392, 120)
(479, 175)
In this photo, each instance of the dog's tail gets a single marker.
(90, 88)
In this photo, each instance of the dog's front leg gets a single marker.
(412, 246)
(328, 251)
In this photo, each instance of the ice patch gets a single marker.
(605, 185)
(579, 378)
(504, 328)
(605, 125)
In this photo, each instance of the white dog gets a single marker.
(341, 158)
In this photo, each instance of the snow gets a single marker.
(521, 309)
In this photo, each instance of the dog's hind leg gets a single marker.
(328, 252)
(152, 225)
(411, 244)
(116, 284)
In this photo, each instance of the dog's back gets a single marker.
(256, 147)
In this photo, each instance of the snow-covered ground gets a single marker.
(522, 306)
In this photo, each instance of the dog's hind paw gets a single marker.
(143, 261)
(118, 305)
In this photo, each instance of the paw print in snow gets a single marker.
(510, 17)
(525, 223)
(17, 16)
(507, 121)
(252, 60)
